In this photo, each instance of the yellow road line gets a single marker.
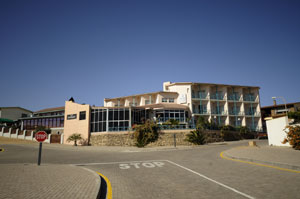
(258, 164)
(109, 190)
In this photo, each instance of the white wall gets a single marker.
(276, 132)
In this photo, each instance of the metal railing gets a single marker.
(249, 98)
(234, 98)
(252, 113)
(201, 112)
(232, 112)
(220, 112)
(216, 97)
(199, 96)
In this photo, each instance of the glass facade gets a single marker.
(109, 119)
(165, 115)
(51, 122)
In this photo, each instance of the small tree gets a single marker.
(196, 137)
(74, 138)
(293, 136)
(146, 133)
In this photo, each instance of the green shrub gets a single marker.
(146, 133)
(172, 123)
(245, 133)
(228, 133)
(196, 137)
(293, 136)
(74, 138)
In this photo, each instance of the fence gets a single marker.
(27, 135)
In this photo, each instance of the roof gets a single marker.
(277, 105)
(194, 83)
(16, 107)
(51, 109)
(105, 99)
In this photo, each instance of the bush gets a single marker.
(172, 123)
(146, 133)
(245, 133)
(228, 134)
(293, 136)
(74, 137)
(196, 137)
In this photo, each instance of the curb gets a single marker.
(278, 164)
(105, 191)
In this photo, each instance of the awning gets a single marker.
(5, 120)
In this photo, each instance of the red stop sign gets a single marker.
(41, 136)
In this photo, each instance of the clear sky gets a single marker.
(91, 50)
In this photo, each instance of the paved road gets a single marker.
(197, 172)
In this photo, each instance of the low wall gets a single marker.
(166, 138)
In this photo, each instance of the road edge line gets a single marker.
(257, 164)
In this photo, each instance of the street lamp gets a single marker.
(283, 99)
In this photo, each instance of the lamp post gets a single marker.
(283, 99)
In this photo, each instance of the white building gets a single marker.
(223, 104)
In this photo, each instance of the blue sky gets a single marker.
(91, 50)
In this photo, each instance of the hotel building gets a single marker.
(222, 104)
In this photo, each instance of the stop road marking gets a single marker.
(138, 165)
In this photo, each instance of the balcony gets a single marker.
(216, 97)
(249, 98)
(202, 96)
(252, 113)
(232, 112)
(220, 112)
(201, 112)
(148, 102)
(133, 104)
(233, 98)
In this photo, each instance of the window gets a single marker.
(164, 99)
(82, 115)
(171, 100)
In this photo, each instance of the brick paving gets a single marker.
(47, 181)
(285, 157)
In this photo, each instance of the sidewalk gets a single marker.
(47, 181)
(285, 157)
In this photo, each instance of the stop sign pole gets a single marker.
(40, 136)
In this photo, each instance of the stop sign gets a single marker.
(41, 136)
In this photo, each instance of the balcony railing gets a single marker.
(233, 98)
(249, 98)
(216, 97)
(148, 102)
(133, 104)
(252, 113)
(232, 112)
(201, 112)
(220, 112)
(199, 96)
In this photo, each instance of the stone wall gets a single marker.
(166, 138)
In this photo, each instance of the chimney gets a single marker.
(274, 102)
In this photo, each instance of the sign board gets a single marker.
(71, 116)
(182, 99)
(41, 136)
